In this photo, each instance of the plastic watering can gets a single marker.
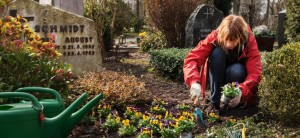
(26, 120)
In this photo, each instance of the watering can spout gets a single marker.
(78, 115)
(55, 124)
(66, 121)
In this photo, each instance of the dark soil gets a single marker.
(158, 87)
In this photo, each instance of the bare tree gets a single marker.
(99, 10)
(138, 8)
(266, 19)
(251, 11)
(170, 17)
(236, 6)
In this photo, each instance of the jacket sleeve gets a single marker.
(196, 58)
(254, 70)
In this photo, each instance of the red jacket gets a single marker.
(198, 57)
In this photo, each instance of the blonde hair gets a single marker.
(232, 28)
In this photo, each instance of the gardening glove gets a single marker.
(234, 102)
(195, 92)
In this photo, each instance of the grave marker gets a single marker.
(75, 35)
(73, 6)
(280, 28)
(202, 21)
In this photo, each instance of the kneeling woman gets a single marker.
(228, 54)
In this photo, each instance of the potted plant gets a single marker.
(229, 91)
(265, 38)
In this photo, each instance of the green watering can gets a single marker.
(26, 120)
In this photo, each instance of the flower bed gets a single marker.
(160, 120)
(153, 122)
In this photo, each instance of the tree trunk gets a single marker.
(138, 9)
(112, 27)
(236, 6)
(266, 19)
(251, 13)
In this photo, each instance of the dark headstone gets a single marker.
(280, 28)
(202, 21)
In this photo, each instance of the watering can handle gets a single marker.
(35, 102)
(42, 90)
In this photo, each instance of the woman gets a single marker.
(228, 54)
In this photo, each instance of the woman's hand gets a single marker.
(234, 102)
(195, 92)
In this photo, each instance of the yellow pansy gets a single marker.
(176, 125)
(159, 117)
(167, 114)
(154, 122)
(232, 120)
(156, 108)
(214, 115)
(138, 114)
(145, 117)
(129, 109)
(182, 118)
(118, 119)
(126, 122)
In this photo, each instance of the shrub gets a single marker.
(279, 90)
(170, 17)
(151, 40)
(169, 62)
(27, 61)
(117, 88)
(293, 19)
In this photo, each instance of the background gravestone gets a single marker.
(202, 21)
(74, 6)
(280, 28)
(75, 35)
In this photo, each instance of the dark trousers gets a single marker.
(221, 72)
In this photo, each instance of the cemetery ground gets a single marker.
(174, 93)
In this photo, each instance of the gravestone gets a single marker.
(280, 28)
(75, 35)
(73, 6)
(201, 22)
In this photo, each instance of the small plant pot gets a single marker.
(185, 135)
(265, 43)
(225, 99)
